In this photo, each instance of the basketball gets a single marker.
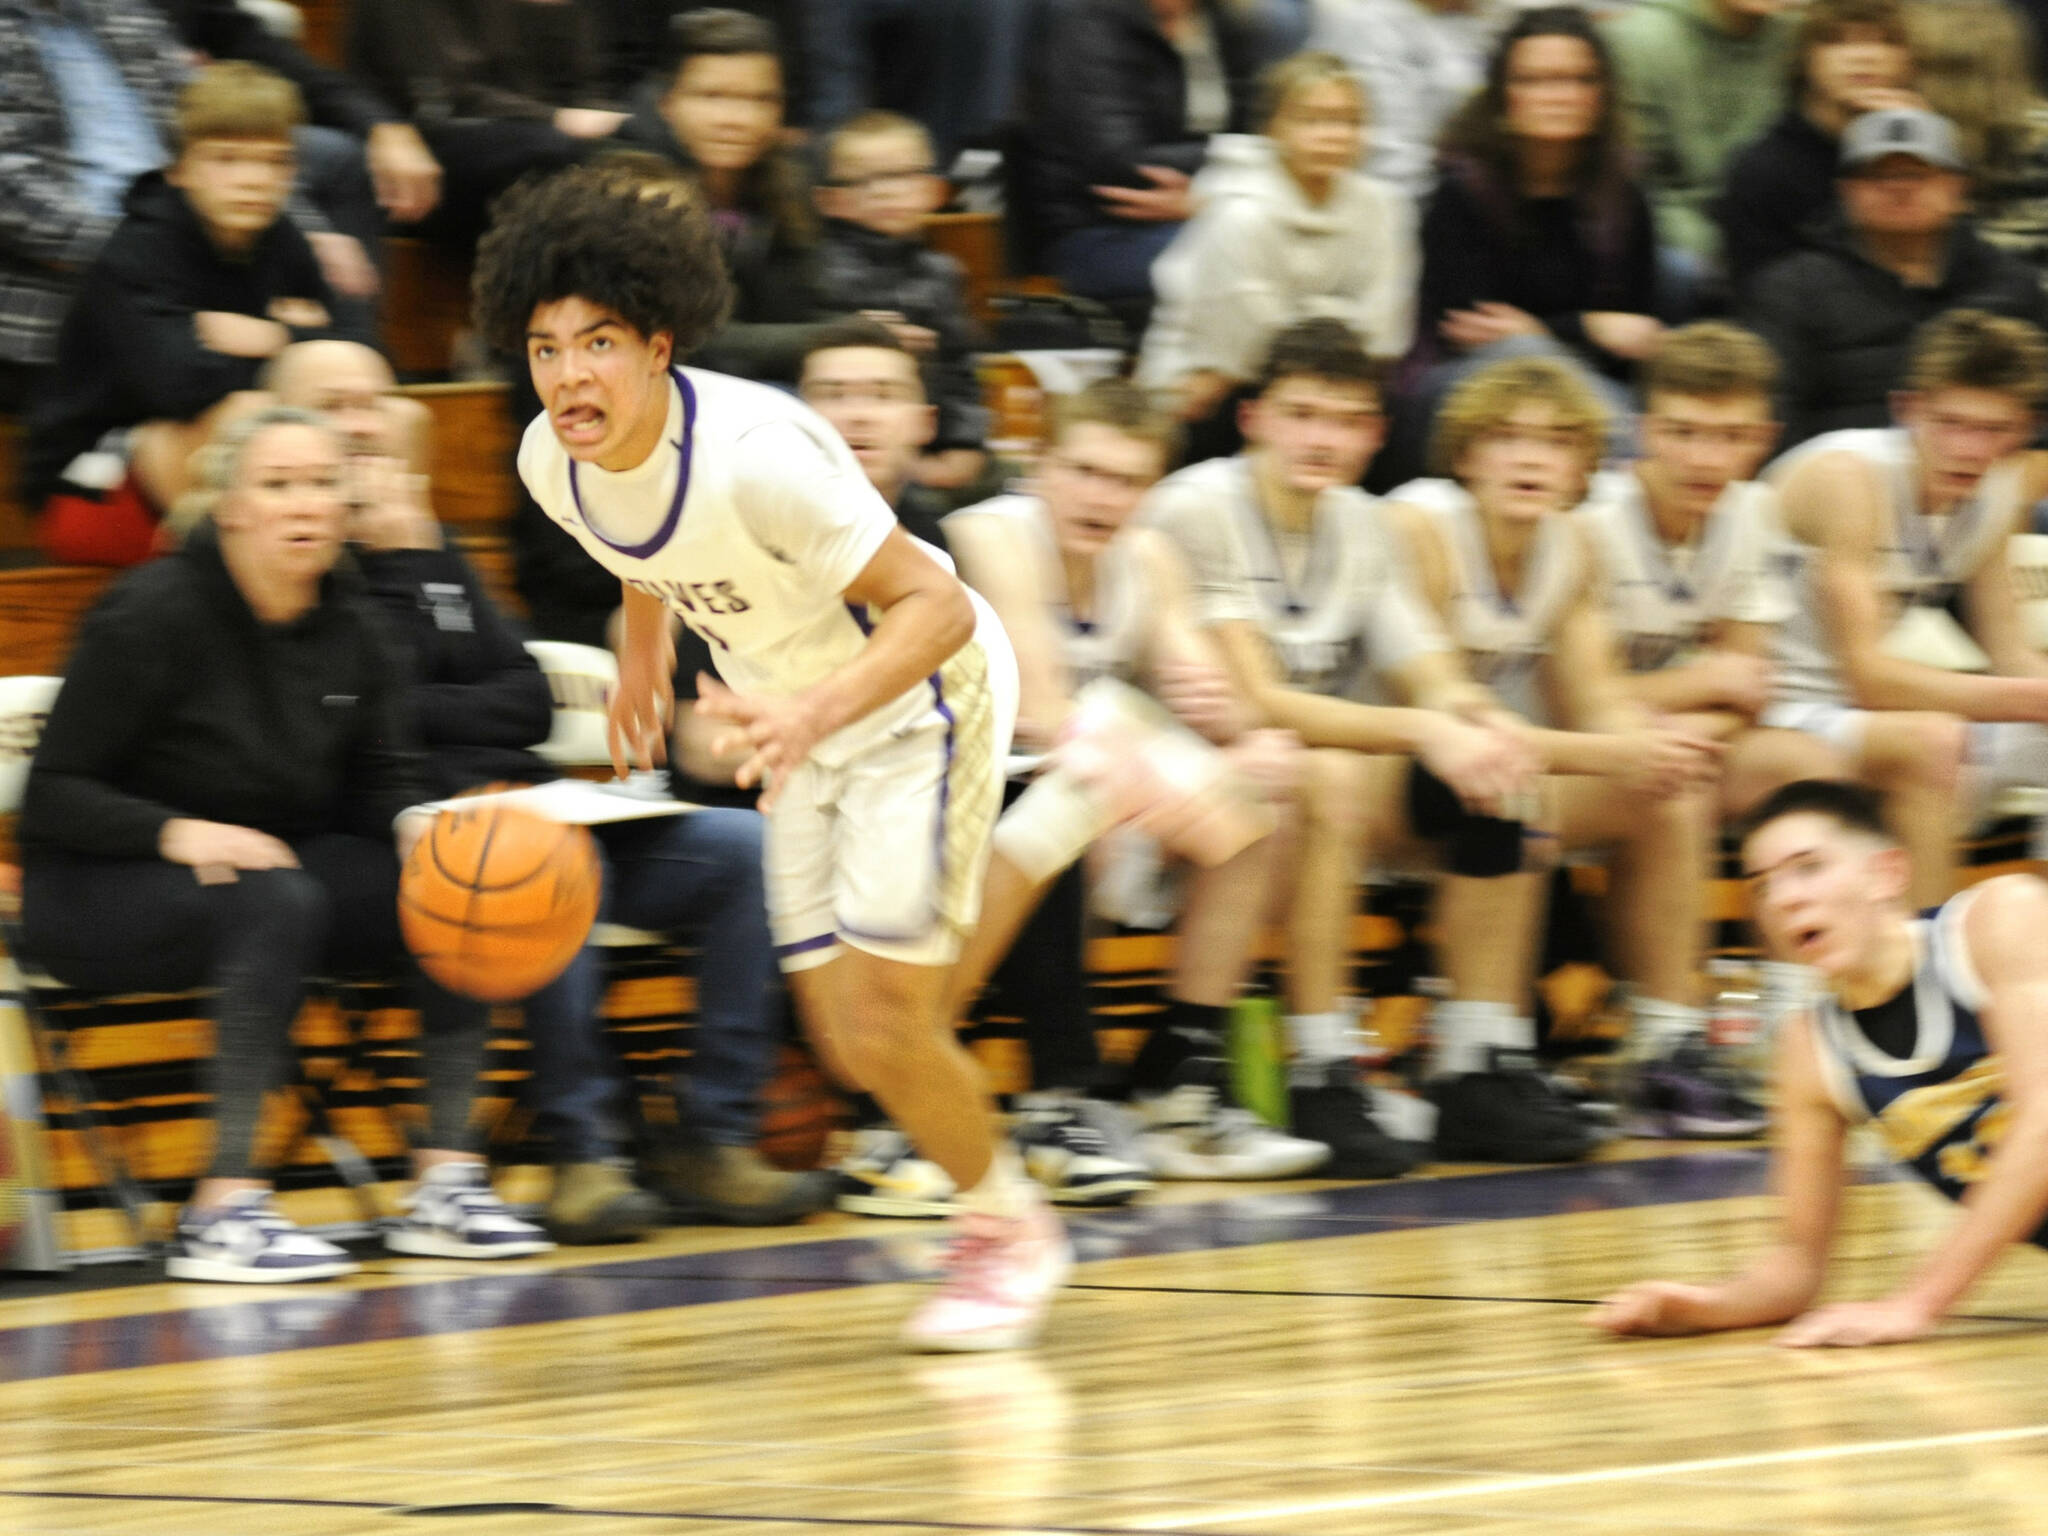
(799, 1113)
(495, 902)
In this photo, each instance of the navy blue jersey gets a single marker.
(1941, 1107)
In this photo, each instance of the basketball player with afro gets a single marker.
(873, 694)
(1933, 1028)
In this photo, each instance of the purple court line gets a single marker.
(314, 1317)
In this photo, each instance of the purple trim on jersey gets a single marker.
(945, 792)
(686, 449)
(804, 946)
(945, 776)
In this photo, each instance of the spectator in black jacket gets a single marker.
(1852, 57)
(218, 801)
(497, 88)
(880, 188)
(951, 64)
(88, 94)
(201, 284)
(1121, 98)
(1843, 313)
(478, 703)
(719, 120)
(1539, 239)
(402, 173)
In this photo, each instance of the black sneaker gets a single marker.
(1510, 1113)
(1688, 1095)
(1338, 1112)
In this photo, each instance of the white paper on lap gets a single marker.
(575, 802)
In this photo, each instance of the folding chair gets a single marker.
(24, 706)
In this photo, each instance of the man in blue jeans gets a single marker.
(698, 874)
(479, 702)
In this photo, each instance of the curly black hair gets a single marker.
(636, 245)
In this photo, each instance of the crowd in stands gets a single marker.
(1531, 421)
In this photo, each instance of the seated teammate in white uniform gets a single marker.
(1085, 595)
(1687, 546)
(1902, 526)
(1294, 574)
(1934, 1028)
(863, 380)
(1510, 572)
(876, 695)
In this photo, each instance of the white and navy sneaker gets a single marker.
(243, 1241)
(883, 1176)
(1194, 1131)
(1064, 1150)
(453, 1213)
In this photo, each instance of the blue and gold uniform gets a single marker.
(1919, 1066)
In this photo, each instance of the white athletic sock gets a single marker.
(1317, 1041)
(1466, 1032)
(1006, 1190)
(1657, 1028)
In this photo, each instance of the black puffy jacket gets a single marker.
(1105, 93)
(1842, 324)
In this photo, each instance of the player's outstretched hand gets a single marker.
(1851, 1323)
(779, 733)
(1655, 1309)
(643, 706)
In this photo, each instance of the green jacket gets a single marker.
(1694, 94)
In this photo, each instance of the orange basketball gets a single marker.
(799, 1113)
(495, 902)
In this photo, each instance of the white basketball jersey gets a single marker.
(1662, 599)
(1336, 613)
(1110, 641)
(1922, 561)
(1504, 639)
(750, 521)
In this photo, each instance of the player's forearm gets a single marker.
(2006, 1207)
(643, 622)
(1885, 682)
(914, 637)
(1322, 721)
(1596, 754)
(1777, 1287)
(1680, 690)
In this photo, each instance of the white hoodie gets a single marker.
(1257, 257)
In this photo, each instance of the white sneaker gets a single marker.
(243, 1241)
(1190, 1133)
(884, 1176)
(1071, 1157)
(1001, 1274)
(453, 1213)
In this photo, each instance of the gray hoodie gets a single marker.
(1257, 256)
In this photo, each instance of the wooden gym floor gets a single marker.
(1370, 1360)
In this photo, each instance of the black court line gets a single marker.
(571, 1512)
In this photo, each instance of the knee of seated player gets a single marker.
(1332, 794)
(1916, 750)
